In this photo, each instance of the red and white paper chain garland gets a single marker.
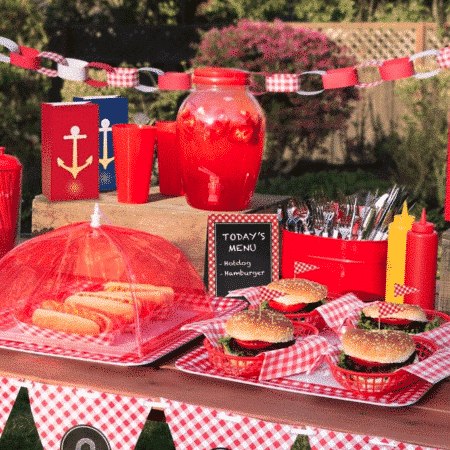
(77, 70)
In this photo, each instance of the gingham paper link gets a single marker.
(196, 427)
(304, 356)
(56, 409)
(282, 82)
(123, 77)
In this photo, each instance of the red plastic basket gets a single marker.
(431, 314)
(312, 318)
(379, 383)
(248, 366)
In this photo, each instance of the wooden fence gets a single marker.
(379, 41)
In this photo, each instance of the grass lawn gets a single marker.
(20, 432)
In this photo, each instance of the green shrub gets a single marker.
(332, 183)
(296, 124)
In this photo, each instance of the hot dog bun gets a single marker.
(68, 323)
(122, 311)
(136, 287)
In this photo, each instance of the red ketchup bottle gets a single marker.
(221, 135)
(421, 263)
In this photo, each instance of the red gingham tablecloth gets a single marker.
(56, 409)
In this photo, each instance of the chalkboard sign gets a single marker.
(242, 251)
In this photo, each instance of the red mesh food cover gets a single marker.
(119, 278)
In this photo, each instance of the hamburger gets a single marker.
(250, 332)
(376, 351)
(411, 319)
(299, 295)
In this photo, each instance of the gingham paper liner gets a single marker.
(199, 428)
(8, 394)
(256, 295)
(56, 409)
(332, 440)
(320, 383)
(304, 356)
(156, 349)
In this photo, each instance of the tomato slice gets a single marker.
(363, 362)
(285, 308)
(253, 344)
(393, 321)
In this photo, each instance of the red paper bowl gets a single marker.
(378, 383)
(248, 366)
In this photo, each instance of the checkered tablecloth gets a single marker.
(194, 427)
(332, 440)
(56, 409)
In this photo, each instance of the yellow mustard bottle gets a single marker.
(396, 253)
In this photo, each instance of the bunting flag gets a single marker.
(400, 289)
(302, 267)
(386, 309)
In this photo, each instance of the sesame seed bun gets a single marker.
(260, 325)
(381, 346)
(298, 290)
(410, 312)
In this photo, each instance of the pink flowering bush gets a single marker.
(296, 124)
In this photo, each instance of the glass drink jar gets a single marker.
(221, 134)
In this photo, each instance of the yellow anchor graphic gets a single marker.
(75, 169)
(104, 129)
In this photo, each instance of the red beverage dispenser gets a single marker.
(221, 134)
(10, 197)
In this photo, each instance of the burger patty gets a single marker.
(414, 327)
(308, 308)
(346, 362)
(234, 348)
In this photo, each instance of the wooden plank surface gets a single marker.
(425, 423)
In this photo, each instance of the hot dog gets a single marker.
(62, 317)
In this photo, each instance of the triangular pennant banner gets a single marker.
(400, 289)
(387, 308)
(301, 267)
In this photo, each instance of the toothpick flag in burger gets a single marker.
(298, 295)
(393, 316)
(253, 331)
(376, 351)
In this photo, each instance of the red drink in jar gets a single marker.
(221, 134)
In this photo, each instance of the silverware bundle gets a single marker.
(362, 216)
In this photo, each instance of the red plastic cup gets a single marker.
(168, 158)
(134, 146)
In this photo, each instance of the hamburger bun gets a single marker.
(380, 346)
(409, 312)
(260, 325)
(298, 290)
